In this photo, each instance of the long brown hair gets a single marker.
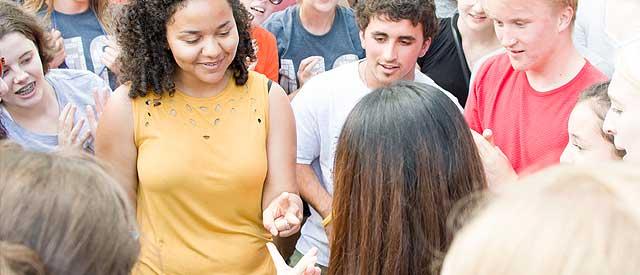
(68, 210)
(102, 8)
(403, 159)
(15, 19)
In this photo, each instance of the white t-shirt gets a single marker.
(321, 108)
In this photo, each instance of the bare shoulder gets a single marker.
(277, 96)
(116, 121)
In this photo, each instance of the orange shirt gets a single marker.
(267, 52)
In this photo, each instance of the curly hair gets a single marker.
(147, 61)
(15, 19)
(417, 11)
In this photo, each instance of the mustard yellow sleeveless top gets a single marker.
(202, 163)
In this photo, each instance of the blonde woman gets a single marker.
(623, 119)
(81, 32)
(569, 220)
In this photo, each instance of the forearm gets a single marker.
(281, 148)
(312, 191)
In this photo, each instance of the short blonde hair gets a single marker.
(68, 210)
(628, 65)
(565, 220)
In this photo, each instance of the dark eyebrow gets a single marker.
(224, 24)
(523, 20)
(410, 38)
(190, 32)
(28, 52)
(379, 33)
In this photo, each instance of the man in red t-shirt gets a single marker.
(526, 94)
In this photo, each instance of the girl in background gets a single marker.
(81, 31)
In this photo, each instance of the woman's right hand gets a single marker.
(69, 135)
(306, 265)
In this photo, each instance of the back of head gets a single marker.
(569, 220)
(68, 210)
(14, 19)
(18, 259)
(403, 159)
(417, 11)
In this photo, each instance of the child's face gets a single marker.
(22, 72)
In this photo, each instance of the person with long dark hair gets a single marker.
(404, 158)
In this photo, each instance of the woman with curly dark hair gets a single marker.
(204, 147)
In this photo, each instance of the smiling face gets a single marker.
(23, 72)
(529, 30)
(320, 5)
(473, 15)
(260, 9)
(392, 49)
(203, 39)
(586, 140)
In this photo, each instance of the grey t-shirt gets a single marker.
(71, 86)
(341, 45)
(84, 43)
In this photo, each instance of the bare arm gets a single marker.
(115, 142)
(281, 147)
(282, 207)
(311, 189)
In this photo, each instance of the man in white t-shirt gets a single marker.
(394, 34)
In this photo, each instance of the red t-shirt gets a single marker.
(530, 127)
(267, 53)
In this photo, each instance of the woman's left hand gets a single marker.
(283, 215)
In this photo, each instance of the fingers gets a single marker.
(69, 131)
(283, 215)
(75, 131)
(312, 271)
(268, 221)
(93, 121)
(305, 70)
(100, 98)
(308, 63)
(277, 259)
(308, 260)
(62, 118)
(56, 43)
